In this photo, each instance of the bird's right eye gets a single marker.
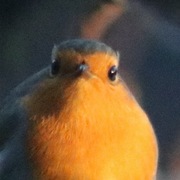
(112, 74)
(55, 66)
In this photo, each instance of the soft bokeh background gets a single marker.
(147, 34)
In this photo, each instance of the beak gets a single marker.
(81, 68)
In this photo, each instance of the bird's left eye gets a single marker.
(55, 67)
(112, 74)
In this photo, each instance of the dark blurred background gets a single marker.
(147, 34)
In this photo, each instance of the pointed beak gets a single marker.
(81, 69)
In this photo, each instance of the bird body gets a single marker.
(80, 122)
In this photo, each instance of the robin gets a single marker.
(76, 120)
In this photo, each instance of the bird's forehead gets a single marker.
(89, 51)
(84, 46)
(78, 49)
(71, 58)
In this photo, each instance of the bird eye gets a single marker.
(112, 73)
(55, 67)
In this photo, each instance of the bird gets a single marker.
(75, 120)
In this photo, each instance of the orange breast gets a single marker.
(91, 132)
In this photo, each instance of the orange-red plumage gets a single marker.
(86, 126)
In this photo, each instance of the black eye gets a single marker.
(113, 71)
(55, 67)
